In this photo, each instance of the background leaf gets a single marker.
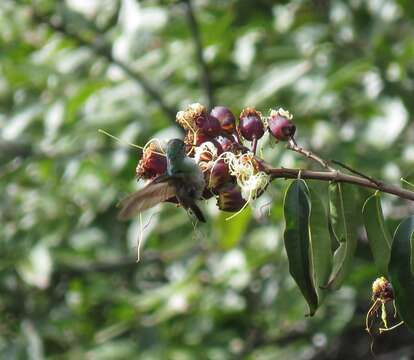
(229, 232)
(402, 278)
(342, 204)
(378, 236)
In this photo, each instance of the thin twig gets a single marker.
(292, 145)
(102, 50)
(205, 77)
(376, 182)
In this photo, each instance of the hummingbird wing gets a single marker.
(146, 198)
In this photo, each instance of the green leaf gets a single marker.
(320, 243)
(378, 236)
(347, 74)
(400, 269)
(296, 236)
(344, 228)
(231, 231)
(75, 102)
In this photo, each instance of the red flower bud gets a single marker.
(226, 119)
(230, 199)
(251, 125)
(218, 175)
(280, 125)
(152, 163)
(208, 125)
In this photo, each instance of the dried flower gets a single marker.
(152, 163)
(187, 118)
(382, 293)
(245, 168)
(382, 289)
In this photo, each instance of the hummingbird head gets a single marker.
(175, 149)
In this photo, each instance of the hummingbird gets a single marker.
(183, 180)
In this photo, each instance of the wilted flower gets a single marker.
(245, 168)
(382, 293)
(195, 119)
(187, 118)
(152, 163)
(382, 289)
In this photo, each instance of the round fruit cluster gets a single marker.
(217, 142)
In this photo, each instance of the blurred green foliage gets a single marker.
(70, 286)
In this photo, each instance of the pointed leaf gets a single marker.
(296, 236)
(400, 269)
(320, 243)
(378, 236)
(344, 227)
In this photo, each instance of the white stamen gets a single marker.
(251, 181)
(282, 112)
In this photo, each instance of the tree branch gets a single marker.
(102, 50)
(277, 173)
(356, 172)
(205, 78)
(292, 145)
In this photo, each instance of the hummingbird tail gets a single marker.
(197, 212)
(146, 198)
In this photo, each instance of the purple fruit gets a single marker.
(230, 199)
(208, 125)
(226, 119)
(251, 125)
(280, 125)
(219, 175)
(226, 143)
